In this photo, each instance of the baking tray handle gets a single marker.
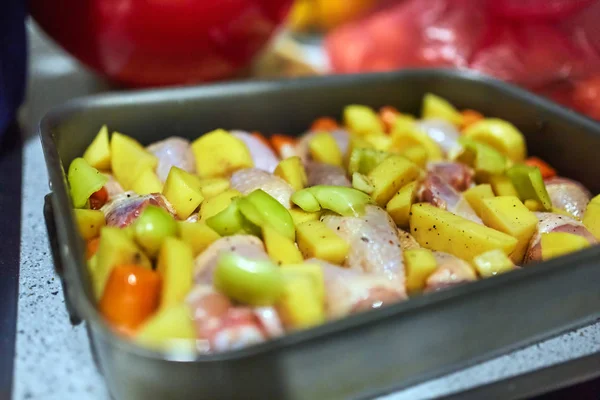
(56, 258)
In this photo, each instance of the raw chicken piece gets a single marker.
(224, 326)
(451, 271)
(568, 195)
(443, 132)
(174, 151)
(262, 155)
(125, 208)
(341, 136)
(374, 243)
(112, 186)
(243, 245)
(349, 291)
(438, 192)
(407, 241)
(549, 222)
(193, 218)
(249, 179)
(326, 174)
(458, 175)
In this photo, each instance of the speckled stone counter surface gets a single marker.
(53, 359)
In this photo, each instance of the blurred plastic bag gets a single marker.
(549, 46)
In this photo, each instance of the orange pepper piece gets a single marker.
(546, 170)
(388, 115)
(262, 138)
(99, 198)
(131, 295)
(326, 124)
(281, 142)
(91, 247)
(470, 117)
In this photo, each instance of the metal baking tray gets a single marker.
(366, 354)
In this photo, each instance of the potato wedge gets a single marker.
(316, 240)
(390, 175)
(98, 152)
(175, 266)
(129, 159)
(183, 191)
(219, 154)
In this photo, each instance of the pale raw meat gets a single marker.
(442, 132)
(173, 152)
(124, 209)
(326, 174)
(451, 271)
(441, 194)
(248, 180)
(262, 155)
(568, 195)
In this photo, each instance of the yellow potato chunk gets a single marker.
(390, 175)
(501, 135)
(323, 148)
(299, 215)
(440, 230)
(405, 134)
(147, 182)
(419, 263)
(197, 235)
(379, 141)
(299, 306)
(362, 120)
(129, 159)
(556, 244)
(219, 154)
(175, 266)
(591, 218)
(292, 171)
(503, 186)
(183, 191)
(507, 214)
(218, 203)
(534, 205)
(416, 154)
(169, 327)
(399, 206)
(98, 152)
(116, 248)
(316, 240)
(440, 108)
(280, 248)
(89, 222)
(213, 186)
(476, 195)
(314, 271)
(492, 263)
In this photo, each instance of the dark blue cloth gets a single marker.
(13, 62)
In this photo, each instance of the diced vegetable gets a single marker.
(183, 191)
(116, 248)
(546, 170)
(476, 195)
(326, 124)
(131, 296)
(440, 230)
(556, 244)
(484, 159)
(89, 222)
(98, 152)
(248, 281)
(299, 306)
(529, 184)
(341, 200)
(507, 214)
(284, 145)
(218, 203)
(198, 235)
(153, 227)
(212, 187)
(91, 247)
(281, 249)
(501, 135)
(99, 198)
(263, 210)
(219, 154)
(323, 148)
(173, 323)
(492, 263)
(175, 265)
(534, 205)
(416, 154)
(503, 186)
(362, 120)
(406, 134)
(313, 271)
(362, 183)
(379, 141)
(591, 218)
(84, 180)
(316, 240)
(399, 206)
(292, 171)
(129, 159)
(364, 160)
(230, 221)
(470, 117)
(390, 175)
(388, 116)
(437, 107)
(262, 138)
(299, 215)
(147, 182)
(419, 263)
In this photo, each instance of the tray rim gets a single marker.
(61, 205)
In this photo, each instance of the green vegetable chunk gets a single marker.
(342, 200)
(248, 281)
(152, 227)
(263, 210)
(306, 200)
(484, 159)
(231, 221)
(364, 160)
(84, 180)
(529, 183)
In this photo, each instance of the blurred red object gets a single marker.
(549, 46)
(161, 42)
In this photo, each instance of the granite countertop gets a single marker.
(53, 359)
